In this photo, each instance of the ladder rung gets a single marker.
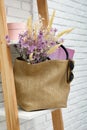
(27, 115)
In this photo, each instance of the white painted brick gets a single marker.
(48, 124)
(11, 19)
(27, 1)
(39, 119)
(3, 125)
(26, 6)
(0, 88)
(1, 97)
(2, 119)
(13, 3)
(35, 122)
(50, 128)
(48, 116)
(0, 75)
(38, 127)
(1, 104)
(18, 13)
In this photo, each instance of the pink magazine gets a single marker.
(60, 54)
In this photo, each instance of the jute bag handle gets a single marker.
(66, 52)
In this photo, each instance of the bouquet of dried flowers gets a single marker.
(37, 42)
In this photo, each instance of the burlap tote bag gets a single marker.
(43, 85)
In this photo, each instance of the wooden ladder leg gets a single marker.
(57, 120)
(7, 75)
(56, 115)
(43, 11)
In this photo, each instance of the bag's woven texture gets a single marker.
(43, 85)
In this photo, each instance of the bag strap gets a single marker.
(66, 52)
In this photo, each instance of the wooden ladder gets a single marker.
(6, 68)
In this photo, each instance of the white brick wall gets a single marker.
(73, 13)
(18, 10)
(13, 3)
(69, 13)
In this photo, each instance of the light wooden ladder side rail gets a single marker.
(7, 75)
(56, 115)
(0, 66)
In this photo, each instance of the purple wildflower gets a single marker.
(52, 43)
(7, 39)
